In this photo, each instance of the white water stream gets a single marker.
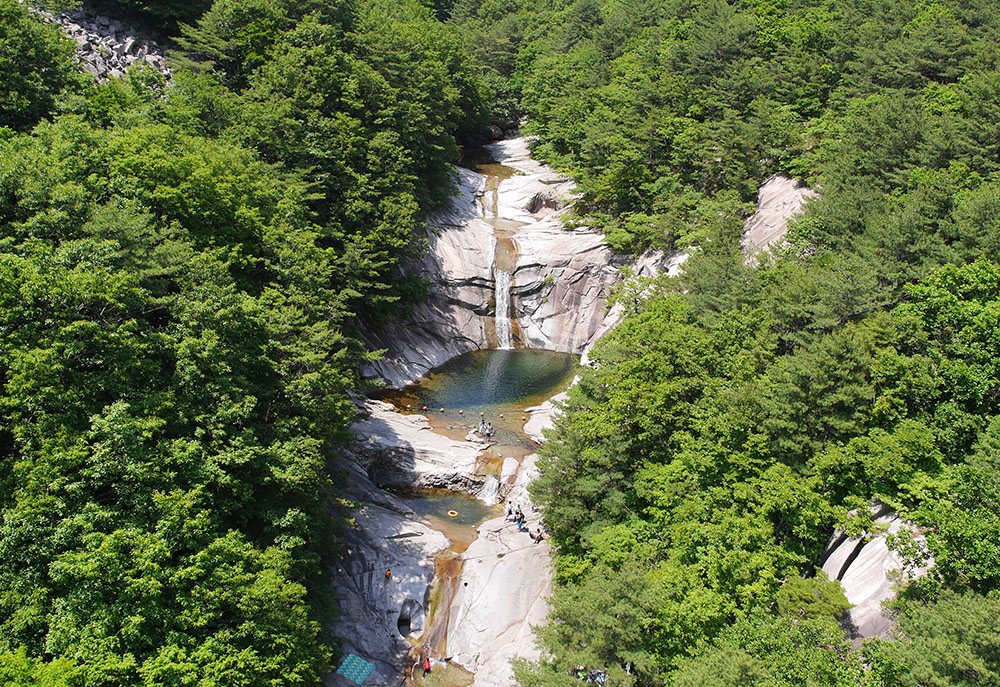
(502, 293)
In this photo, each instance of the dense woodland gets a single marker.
(186, 268)
(742, 413)
(184, 273)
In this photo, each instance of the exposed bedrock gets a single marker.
(868, 571)
(779, 199)
(560, 283)
(458, 265)
(502, 593)
(375, 612)
(505, 581)
(399, 450)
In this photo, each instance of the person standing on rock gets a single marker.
(388, 574)
(427, 666)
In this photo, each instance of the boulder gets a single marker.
(403, 451)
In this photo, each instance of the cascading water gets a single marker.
(504, 263)
(489, 493)
(502, 294)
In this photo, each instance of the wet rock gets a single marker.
(560, 281)
(452, 320)
(502, 593)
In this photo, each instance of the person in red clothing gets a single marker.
(427, 666)
(388, 574)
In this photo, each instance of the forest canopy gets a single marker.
(185, 270)
(742, 413)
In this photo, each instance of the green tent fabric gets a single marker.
(355, 668)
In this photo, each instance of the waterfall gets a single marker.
(502, 294)
(490, 490)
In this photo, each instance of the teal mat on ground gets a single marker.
(355, 668)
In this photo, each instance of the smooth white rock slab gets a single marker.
(502, 593)
(779, 199)
(869, 577)
(403, 450)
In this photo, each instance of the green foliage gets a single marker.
(703, 456)
(812, 597)
(183, 272)
(763, 651)
(35, 66)
(950, 642)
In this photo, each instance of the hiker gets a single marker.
(427, 666)
(388, 574)
(510, 512)
(482, 427)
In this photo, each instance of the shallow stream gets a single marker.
(497, 386)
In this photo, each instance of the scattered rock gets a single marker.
(493, 132)
(106, 48)
(543, 200)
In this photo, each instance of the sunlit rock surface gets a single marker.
(778, 200)
(503, 591)
(386, 535)
(560, 284)
(403, 451)
(458, 265)
(868, 572)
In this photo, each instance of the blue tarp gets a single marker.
(355, 668)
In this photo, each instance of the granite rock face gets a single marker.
(375, 612)
(560, 283)
(868, 572)
(398, 450)
(502, 593)
(779, 199)
(454, 319)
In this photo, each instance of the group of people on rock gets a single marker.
(485, 429)
(515, 513)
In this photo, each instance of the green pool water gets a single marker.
(495, 383)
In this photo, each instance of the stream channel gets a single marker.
(495, 386)
(499, 384)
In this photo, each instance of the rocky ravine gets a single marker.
(560, 283)
(562, 277)
(489, 619)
